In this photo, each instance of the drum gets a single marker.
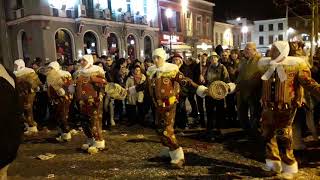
(218, 90)
(116, 91)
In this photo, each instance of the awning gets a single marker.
(178, 46)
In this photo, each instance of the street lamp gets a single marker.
(169, 14)
(184, 5)
(244, 31)
(290, 31)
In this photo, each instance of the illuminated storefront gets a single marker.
(131, 44)
(70, 29)
(113, 45)
(63, 47)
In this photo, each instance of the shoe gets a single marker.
(273, 165)
(96, 147)
(64, 137)
(112, 122)
(99, 144)
(286, 176)
(288, 171)
(177, 158)
(87, 144)
(31, 130)
(181, 134)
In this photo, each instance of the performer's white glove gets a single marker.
(202, 91)
(61, 92)
(232, 87)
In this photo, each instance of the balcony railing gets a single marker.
(103, 14)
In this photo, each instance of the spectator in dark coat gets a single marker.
(199, 74)
(11, 125)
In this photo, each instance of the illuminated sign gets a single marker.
(173, 38)
(204, 46)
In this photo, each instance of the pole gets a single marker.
(312, 32)
(316, 22)
(170, 36)
(287, 19)
(170, 44)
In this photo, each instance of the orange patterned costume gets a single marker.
(283, 80)
(164, 87)
(60, 87)
(27, 85)
(90, 89)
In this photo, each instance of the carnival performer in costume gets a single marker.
(283, 79)
(27, 85)
(90, 85)
(60, 92)
(163, 80)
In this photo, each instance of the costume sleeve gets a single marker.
(141, 87)
(184, 81)
(34, 78)
(305, 80)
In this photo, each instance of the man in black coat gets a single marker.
(11, 128)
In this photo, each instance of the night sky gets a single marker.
(252, 9)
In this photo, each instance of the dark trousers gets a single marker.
(215, 113)
(135, 113)
(118, 109)
(141, 113)
(131, 113)
(201, 111)
(40, 108)
(192, 101)
(231, 113)
(246, 105)
(181, 113)
(147, 105)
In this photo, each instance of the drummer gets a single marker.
(215, 108)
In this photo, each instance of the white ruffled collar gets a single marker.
(167, 67)
(278, 66)
(92, 69)
(23, 72)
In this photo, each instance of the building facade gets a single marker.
(5, 51)
(300, 30)
(227, 35)
(243, 29)
(186, 26)
(266, 32)
(60, 29)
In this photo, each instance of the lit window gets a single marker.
(208, 26)
(199, 25)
